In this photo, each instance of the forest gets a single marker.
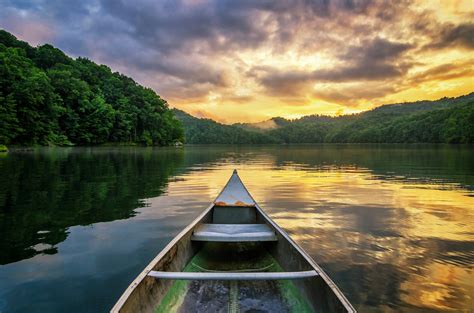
(448, 120)
(48, 98)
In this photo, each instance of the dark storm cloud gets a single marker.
(171, 37)
(371, 60)
(174, 25)
(378, 49)
(376, 59)
(454, 35)
(351, 96)
(444, 72)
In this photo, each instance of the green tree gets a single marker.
(47, 56)
(10, 124)
(27, 92)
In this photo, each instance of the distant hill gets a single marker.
(207, 131)
(410, 107)
(48, 98)
(447, 120)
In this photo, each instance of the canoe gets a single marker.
(233, 258)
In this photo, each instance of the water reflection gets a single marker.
(44, 192)
(392, 225)
(381, 240)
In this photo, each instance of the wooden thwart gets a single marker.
(234, 233)
(232, 276)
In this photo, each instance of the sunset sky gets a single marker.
(249, 60)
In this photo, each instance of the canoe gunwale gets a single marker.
(144, 274)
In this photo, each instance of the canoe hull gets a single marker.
(145, 293)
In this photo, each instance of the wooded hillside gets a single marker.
(448, 120)
(49, 98)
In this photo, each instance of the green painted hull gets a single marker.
(233, 296)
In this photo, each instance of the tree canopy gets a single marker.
(49, 98)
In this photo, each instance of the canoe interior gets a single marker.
(148, 294)
(233, 296)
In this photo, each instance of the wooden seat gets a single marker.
(233, 233)
(232, 276)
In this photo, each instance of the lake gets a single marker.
(391, 224)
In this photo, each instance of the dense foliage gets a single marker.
(442, 121)
(47, 97)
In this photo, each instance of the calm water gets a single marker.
(392, 225)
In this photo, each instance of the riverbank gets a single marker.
(4, 148)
